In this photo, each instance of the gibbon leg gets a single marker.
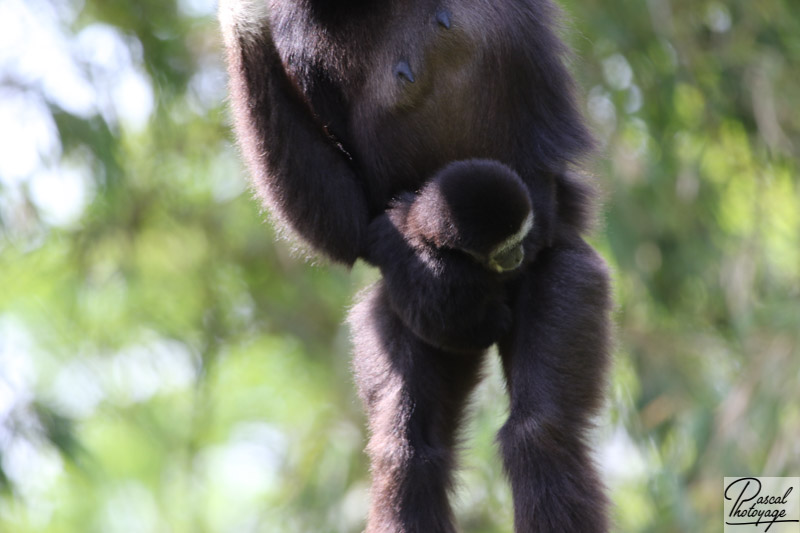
(555, 361)
(414, 396)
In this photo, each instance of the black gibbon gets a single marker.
(345, 107)
(457, 242)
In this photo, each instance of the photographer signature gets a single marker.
(765, 509)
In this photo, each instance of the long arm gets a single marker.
(304, 179)
(548, 136)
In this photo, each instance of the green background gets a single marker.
(168, 365)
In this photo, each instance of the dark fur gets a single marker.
(444, 295)
(468, 205)
(334, 130)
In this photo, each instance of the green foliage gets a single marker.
(166, 365)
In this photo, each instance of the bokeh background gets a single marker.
(167, 366)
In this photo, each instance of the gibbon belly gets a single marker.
(431, 98)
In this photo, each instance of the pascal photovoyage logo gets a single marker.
(762, 504)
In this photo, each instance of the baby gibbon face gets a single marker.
(509, 254)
